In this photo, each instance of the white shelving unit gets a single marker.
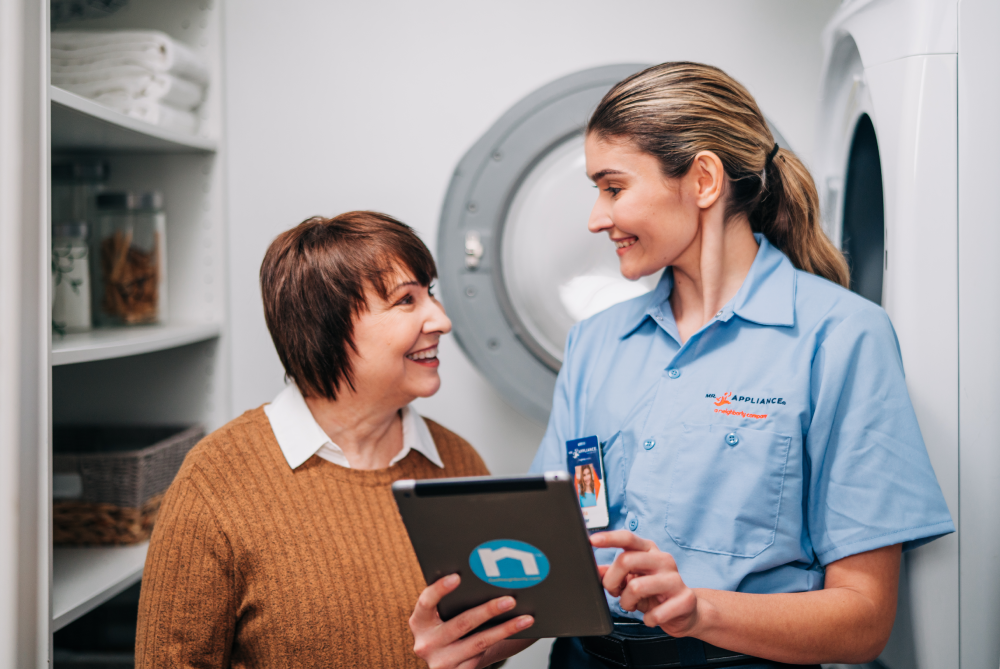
(83, 578)
(172, 373)
(82, 124)
(108, 343)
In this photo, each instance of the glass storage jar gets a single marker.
(70, 278)
(130, 249)
(75, 185)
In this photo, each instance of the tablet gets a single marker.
(521, 536)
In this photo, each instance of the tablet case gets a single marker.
(519, 536)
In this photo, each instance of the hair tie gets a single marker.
(770, 156)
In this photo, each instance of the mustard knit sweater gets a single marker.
(252, 564)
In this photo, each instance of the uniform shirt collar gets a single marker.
(300, 437)
(767, 296)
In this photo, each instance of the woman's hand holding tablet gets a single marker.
(441, 644)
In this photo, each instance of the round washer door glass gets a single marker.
(555, 270)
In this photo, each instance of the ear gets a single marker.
(707, 178)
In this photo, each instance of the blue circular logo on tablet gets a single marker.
(506, 563)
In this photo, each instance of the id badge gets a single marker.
(584, 462)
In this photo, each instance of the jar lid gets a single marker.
(81, 170)
(117, 200)
(74, 229)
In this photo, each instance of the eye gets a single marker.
(406, 299)
(611, 189)
(431, 288)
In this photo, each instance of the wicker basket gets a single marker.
(123, 480)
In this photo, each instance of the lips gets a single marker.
(426, 354)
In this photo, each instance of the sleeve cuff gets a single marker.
(910, 538)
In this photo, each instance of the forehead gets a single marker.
(615, 155)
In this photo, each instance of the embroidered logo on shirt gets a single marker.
(731, 398)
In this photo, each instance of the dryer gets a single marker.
(887, 172)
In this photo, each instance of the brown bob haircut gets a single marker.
(313, 282)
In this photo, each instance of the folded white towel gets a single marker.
(145, 48)
(153, 112)
(134, 82)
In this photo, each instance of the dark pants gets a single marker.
(567, 653)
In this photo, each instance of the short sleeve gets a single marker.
(551, 455)
(871, 483)
(187, 611)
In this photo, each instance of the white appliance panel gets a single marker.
(890, 29)
(916, 120)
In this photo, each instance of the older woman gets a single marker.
(279, 543)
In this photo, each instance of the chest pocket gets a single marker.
(725, 489)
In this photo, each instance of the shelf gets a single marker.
(83, 578)
(79, 124)
(105, 343)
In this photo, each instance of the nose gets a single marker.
(600, 217)
(437, 320)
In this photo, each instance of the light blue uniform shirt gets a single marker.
(778, 439)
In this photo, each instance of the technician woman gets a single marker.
(764, 465)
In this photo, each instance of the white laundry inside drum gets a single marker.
(556, 272)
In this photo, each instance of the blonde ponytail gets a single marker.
(675, 110)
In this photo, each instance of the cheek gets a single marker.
(667, 221)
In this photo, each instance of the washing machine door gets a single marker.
(518, 266)
(852, 191)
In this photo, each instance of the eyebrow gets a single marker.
(403, 285)
(603, 173)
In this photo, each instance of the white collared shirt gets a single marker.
(300, 436)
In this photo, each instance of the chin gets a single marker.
(632, 273)
(426, 389)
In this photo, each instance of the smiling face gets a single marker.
(396, 343)
(651, 219)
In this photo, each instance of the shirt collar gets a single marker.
(767, 296)
(299, 435)
(651, 308)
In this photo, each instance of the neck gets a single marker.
(370, 433)
(709, 273)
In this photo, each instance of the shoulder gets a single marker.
(457, 454)
(608, 325)
(833, 311)
(224, 450)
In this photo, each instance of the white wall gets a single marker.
(334, 106)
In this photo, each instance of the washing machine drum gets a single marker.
(518, 266)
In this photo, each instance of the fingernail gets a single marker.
(596, 538)
(506, 603)
(451, 580)
(524, 621)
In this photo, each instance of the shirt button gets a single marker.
(674, 373)
(732, 439)
(648, 444)
(633, 524)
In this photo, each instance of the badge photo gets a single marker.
(584, 462)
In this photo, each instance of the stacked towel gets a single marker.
(141, 73)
